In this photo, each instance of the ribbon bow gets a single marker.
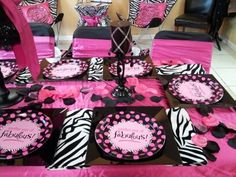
(92, 21)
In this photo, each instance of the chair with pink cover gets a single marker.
(91, 42)
(44, 39)
(146, 14)
(170, 48)
(42, 16)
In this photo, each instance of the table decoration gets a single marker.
(23, 132)
(145, 69)
(121, 45)
(22, 43)
(130, 135)
(8, 68)
(133, 67)
(34, 149)
(199, 93)
(64, 69)
(163, 151)
(196, 89)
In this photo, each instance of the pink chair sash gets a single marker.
(44, 47)
(181, 51)
(90, 48)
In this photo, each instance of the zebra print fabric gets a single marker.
(72, 144)
(92, 11)
(95, 69)
(134, 7)
(180, 69)
(23, 77)
(52, 5)
(183, 131)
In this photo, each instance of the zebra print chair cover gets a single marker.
(52, 5)
(135, 4)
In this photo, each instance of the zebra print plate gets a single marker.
(139, 68)
(130, 135)
(8, 68)
(65, 69)
(22, 132)
(196, 89)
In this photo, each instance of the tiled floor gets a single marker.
(223, 66)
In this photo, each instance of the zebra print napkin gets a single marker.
(180, 69)
(183, 131)
(71, 148)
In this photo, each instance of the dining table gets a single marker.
(72, 105)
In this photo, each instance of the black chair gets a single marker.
(197, 14)
(220, 12)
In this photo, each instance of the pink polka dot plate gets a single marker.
(65, 69)
(130, 135)
(23, 132)
(196, 89)
(8, 68)
(139, 68)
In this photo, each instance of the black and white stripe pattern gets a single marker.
(180, 69)
(52, 5)
(183, 131)
(100, 11)
(134, 7)
(72, 144)
(23, 77)
(95, 69)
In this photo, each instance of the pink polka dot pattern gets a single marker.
(43, 123)
(138, 64)
(204, 81)
(50, 72)
(103, 129)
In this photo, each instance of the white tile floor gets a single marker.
(223, 66)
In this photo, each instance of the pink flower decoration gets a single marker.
(132, 81)
(45, 93)
(199, 140)
(210, 121)
(230, 125)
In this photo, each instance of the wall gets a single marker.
(71, 18)
(228, 30)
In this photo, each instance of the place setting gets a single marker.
(65, 69)
(137, 66)
(131, 135)
(195, 90)
(28, 137)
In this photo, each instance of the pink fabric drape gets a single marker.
(44, 47)
(91, 48)
(165, 51)
(25, 52)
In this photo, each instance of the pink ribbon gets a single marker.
(92, 21)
